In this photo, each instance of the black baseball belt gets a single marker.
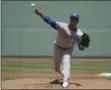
(62, 47)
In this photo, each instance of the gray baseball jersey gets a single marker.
(64, 38)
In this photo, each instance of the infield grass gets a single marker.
(47, 66)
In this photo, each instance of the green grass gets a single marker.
(27, 66)
(47, 66)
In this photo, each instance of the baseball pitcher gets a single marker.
(68, 35)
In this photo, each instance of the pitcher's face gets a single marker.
(73, 21)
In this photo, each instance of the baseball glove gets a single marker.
(85, 40)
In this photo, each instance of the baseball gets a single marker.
(33, 4)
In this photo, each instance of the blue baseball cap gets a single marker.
(75, 15)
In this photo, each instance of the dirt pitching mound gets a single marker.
(54, 84)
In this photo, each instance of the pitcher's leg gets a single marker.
(57, 58)
(66, 67)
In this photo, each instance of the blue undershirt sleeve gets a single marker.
(52, 22)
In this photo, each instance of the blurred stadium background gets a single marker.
(25, 34)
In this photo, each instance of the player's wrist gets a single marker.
(40, 14)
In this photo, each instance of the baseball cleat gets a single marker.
(65, 84)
